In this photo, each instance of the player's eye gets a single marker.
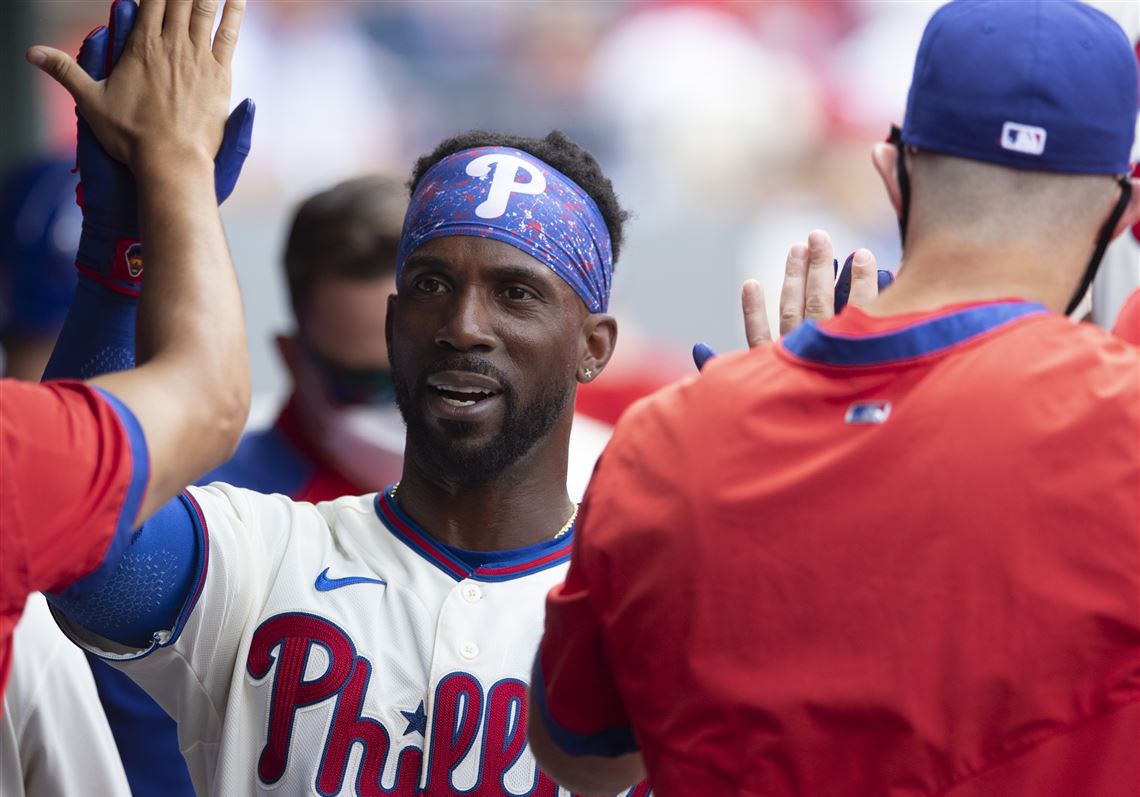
(428, 285)
(517, 293)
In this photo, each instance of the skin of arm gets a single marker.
(162, 112)
(586, 775)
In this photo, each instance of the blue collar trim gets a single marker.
(809, 342)
(479, 565)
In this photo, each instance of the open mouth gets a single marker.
(463, 392)
(459, 396)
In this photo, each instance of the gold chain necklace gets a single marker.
(561, 532)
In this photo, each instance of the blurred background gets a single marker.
(730, 130)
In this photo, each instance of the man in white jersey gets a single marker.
(383, 643)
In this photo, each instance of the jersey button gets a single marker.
(471, 593)
(468, 650)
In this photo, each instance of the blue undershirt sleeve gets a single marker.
(147, 590)
(98, 336)
(141, 587)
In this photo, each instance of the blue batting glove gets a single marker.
(109, 248)
(701, 355)
(843, 281)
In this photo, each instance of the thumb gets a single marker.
(62, 68)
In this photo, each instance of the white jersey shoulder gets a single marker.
(337, 649)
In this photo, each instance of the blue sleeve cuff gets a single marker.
(136, 489)
(610, 743)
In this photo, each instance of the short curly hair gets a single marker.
(556, 150)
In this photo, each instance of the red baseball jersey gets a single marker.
(73, 471)
(1127, 324)
(886, 556)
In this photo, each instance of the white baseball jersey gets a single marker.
(337, 649)
(54, 737)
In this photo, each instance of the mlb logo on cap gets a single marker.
(1023, 138)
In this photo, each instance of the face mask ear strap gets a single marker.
(895, 137)
(1102, 242)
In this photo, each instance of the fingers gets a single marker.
(177, 17)
(93, 53)
(237, 138)
(62, 68)
(202, 21)
(792, 292)
(123, 14)
(756, 327)
(150, 17)
(226, 38)
(701, 355)
(864, 278)
(819, 300)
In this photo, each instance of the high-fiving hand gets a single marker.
(809, 288)
(813, 288)
(169, 92)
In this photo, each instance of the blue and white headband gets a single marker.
(478, 192)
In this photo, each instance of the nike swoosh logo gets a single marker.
(324, 583)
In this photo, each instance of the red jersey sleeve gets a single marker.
(73, 470)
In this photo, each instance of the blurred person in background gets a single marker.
(339, 431)
(40, 223)
(54, 737)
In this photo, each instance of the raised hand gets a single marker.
(814, 288)
(168, 95)
(108, 250)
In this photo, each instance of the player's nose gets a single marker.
(468, 323)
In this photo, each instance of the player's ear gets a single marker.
(1131, 214)
(885, 157)
(599, 336)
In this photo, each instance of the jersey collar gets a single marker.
(857, 339)
(477, 565)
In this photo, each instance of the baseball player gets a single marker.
(80, 463)
(381, 643)
(896, 552)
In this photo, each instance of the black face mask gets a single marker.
(352, 386)
(1102, 241)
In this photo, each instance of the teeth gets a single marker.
(457, 402)
(457, 389)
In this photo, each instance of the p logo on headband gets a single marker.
(503, 184)
(476, 192)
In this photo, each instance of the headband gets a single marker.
(513, 197)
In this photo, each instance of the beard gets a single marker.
(448, 453)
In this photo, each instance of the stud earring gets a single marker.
(588, 373)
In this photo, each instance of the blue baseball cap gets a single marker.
(1044, 85)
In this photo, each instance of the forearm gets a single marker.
(191, 389)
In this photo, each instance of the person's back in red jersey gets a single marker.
(911, 572)
(897, 553)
